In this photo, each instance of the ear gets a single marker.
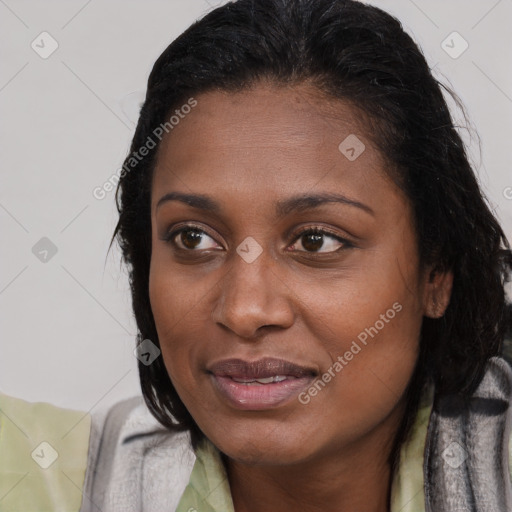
(438, 290)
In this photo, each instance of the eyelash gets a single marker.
(169, 237)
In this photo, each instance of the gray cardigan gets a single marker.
(136, 465)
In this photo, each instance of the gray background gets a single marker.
(67, 333)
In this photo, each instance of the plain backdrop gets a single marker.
(67, 331)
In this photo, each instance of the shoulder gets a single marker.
(43, 455)
(467, 452)
(135, 461)
(53, 458)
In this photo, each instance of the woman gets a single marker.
(309, 249)
(317, 280)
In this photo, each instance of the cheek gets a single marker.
(381, 357)
(178, 293)
(372, 362)
(373, 322)
(172, 297)
(175, 304)
(178, 327)
(378, 300)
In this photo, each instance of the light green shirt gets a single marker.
(43, 459)
(43, 456)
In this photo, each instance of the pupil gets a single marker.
(190, 237)
(315, 239)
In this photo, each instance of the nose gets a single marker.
(253, 297)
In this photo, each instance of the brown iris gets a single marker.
(314, 241)
(191, 238)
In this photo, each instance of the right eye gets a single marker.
(190, 238)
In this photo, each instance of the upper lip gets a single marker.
(260, 369)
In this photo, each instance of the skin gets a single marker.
(247, 151)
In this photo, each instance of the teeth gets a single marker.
(243, 381)
(266, 380)
(279, 378)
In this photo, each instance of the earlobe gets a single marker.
(438, 290)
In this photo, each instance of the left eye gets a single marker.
(312, 240)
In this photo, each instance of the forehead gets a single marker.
(266, 140)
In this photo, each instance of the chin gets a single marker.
(270, 445)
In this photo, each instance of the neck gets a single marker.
(355, 477)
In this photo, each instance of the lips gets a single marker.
(260, 369)
(263, 384)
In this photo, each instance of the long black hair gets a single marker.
(359, 54)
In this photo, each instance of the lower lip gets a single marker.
(259, 396)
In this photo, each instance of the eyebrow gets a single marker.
(284, 207)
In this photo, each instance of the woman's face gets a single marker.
(284, 343)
